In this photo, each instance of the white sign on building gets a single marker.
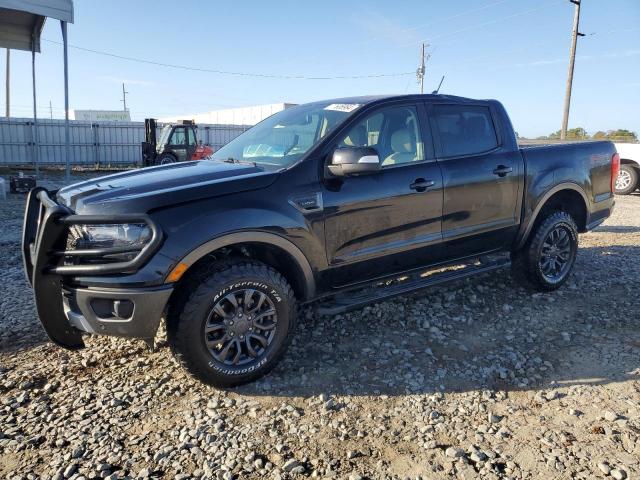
(102, 115)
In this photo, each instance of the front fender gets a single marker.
(267, 238)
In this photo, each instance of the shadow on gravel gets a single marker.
(16, 342)
(481, 333)
(509, 339)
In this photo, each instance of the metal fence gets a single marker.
(93, 144)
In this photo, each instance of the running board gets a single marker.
(353, 299)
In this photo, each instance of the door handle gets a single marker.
(420, 184)
(502, 170)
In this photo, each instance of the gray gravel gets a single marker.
(478, 379)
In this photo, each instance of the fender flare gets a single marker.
(257, 237)
(630, 161)
(541, 203)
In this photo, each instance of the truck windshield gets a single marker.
(283, 138)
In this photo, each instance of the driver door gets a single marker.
(192, 144)
(389, 221)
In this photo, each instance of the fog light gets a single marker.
(122, 308)
(112, 309)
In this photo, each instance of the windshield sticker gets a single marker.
(343, 107)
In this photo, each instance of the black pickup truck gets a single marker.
(340, 202)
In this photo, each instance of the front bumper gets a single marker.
(121, 312)
(66, 310)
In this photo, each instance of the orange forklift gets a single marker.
(177, 143)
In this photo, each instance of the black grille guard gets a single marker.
(45, 222)
(45, 225)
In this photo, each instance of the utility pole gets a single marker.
(124, 98)
(421, 69)
(572, 60)
(8, 88)
(50, 110)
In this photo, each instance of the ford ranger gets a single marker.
(340, 202)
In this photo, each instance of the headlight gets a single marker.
(128, 235)
(122, 242)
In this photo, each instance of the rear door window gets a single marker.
(464, 129)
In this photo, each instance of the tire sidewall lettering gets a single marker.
(268, 290)
(264, 288)
(242, 371)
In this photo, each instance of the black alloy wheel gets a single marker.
(556, 253)
(229, 323)
(547, 258)
(240, 327)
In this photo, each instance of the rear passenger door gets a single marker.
(480, 178)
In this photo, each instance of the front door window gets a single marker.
(393, 131)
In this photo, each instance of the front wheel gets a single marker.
(234, 326)
(627, 180)
(547, 258)
(166, 159)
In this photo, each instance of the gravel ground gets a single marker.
(477, 379)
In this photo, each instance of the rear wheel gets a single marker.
(234, 325)
(547, 258)
(627, 180)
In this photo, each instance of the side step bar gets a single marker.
(353, 299)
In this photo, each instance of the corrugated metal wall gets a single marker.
(92, 143)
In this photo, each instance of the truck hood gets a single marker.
(146, 189)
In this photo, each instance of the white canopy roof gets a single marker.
(21, 21)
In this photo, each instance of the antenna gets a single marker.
(435, 92)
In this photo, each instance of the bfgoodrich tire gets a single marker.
(547, 258)
(234, 325)
(627, 180)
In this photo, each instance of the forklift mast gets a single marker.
(150, 131)
(150, 142)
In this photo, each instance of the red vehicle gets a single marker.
(177, 143)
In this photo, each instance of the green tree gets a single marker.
(572, 134)
(622, 135)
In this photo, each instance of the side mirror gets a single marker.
(354, 161)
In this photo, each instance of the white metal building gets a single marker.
(233, 116)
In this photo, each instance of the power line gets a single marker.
(228, 72)
(451, 17)
(483, 24)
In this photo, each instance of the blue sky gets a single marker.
(512, 50)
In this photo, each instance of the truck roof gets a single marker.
(365, 99)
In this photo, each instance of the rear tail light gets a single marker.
(615, 169)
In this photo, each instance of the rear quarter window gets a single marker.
(464, 129)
